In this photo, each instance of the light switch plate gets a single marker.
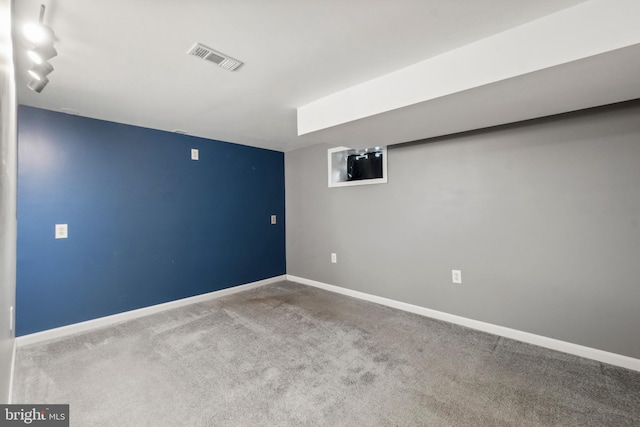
(195, 155)
(334, 258)
(273, 219)
(62, 231)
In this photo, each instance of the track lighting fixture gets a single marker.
(42, 38)
(37, 85)
(40, 71)
(41, 53)
(38, 34)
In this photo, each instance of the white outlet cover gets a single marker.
(456, 276)
(273, 219)
(334, 258)
(62, 231)
(195, 155)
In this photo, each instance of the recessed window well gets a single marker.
(347, 166)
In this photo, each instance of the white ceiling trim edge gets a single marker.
(582, 31)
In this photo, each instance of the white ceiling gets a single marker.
(125, 61)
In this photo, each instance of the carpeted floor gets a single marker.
(291, 355)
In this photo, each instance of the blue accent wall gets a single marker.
(147, 224)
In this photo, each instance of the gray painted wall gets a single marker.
(8, 173)
(542, 217)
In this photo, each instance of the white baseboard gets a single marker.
(539, 340)
(133, 314)
(11, 373)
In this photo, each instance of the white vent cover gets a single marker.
(208, 54)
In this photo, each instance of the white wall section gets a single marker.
(586, 30)
(8, 177)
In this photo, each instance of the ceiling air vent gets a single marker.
(208, 54)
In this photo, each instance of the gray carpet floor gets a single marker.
(291, 355)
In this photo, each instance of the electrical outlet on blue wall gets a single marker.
(61, 231)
